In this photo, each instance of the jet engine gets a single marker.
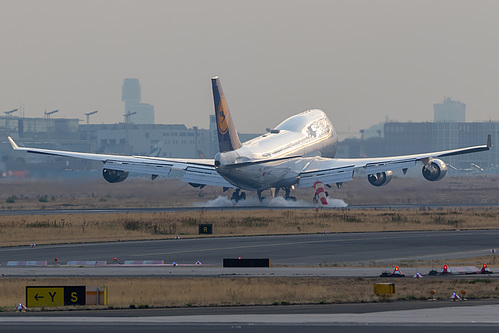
(435, 170)
(380, 178)
(114, 176)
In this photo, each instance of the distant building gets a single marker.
(135, 111)
(449, 111)
(412, 138)
(154, 140)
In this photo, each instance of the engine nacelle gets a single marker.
(114, 176)
(434, 171)
(380, 178)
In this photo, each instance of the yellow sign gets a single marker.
(55, 296)
(45, 296)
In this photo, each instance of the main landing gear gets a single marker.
(287, 194)
(238, 195)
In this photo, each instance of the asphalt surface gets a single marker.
(311, 249)
(469, 316)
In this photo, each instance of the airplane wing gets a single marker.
(337, 170)
(197, 171)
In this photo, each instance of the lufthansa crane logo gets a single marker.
(222, 113)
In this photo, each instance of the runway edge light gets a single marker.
(432, 295)
(445, 270)
(485, 269)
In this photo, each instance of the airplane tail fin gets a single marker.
(228, 139)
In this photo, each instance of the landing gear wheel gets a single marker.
(238, 196)
(260, 196)
(291, 199)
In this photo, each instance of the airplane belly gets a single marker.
(259, 177)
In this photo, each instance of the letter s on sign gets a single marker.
(74, 299)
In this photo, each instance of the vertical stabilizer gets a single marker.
(228, 139)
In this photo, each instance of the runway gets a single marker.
(374, 317)
(316, 254)
(237, 208)
(326, 252)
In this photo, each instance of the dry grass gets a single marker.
(70, 228)
(94, 192)
(166, 292)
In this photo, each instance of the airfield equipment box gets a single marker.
(238, 262)
(384, 289)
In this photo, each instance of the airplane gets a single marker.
(297, 153)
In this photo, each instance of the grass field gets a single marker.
(185, 292)
(160, 292)
(70, 228)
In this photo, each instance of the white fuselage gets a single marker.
(306, 134)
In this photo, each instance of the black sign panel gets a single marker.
(261, 262)
(75, 295)
(205, 229)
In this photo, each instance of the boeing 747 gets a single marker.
(297, 153)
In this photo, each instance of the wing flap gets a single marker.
(337, 175)
(148, 168)
(205, 176)
(389, 166)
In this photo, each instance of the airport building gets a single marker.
(138, 135)
(411, 138)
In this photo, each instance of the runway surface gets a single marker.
(331, 251)
(470, 316)
(236, 208)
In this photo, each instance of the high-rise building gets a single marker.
(449, 111)
(135, 111)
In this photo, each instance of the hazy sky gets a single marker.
(359, 61)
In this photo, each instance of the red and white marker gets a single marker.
(320, 192)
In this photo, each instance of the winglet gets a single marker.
(489, 141)
(14, 145)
